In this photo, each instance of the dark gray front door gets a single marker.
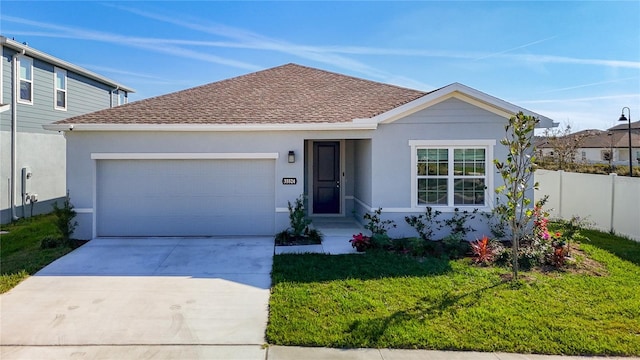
(326, 177)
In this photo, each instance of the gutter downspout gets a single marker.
(14, 132)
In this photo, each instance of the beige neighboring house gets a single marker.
(601, 146)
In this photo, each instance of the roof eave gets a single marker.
(28, 51)
(212, 127)
(465, 93)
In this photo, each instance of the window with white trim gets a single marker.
(26, 80)
(60, 91)
(451, 175)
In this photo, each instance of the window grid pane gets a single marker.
(61, 100)
(25, 90)
(468, 191)
(25, 69)
(433, 162)
(469, 162)
(432, 191)
(468, 176)
(61, 82)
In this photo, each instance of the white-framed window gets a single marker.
(60, 91)
(25, 90)
(454, 173)
(119, 97)
(584, 156)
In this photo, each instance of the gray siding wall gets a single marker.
(83, 96)
(80, 145)
(451, 119)
(348, 184)
(362, 177)
(5, 75)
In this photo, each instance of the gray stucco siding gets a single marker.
(80, 170)
(45, 155)
(453, 120)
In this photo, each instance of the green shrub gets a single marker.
(454, 246)
(299, 232)
(64, 218)
(298, 220)
(458, 222)
(425, 224)
(376, 225)
(51, 242)
(381, 241)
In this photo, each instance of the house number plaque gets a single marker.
(289, 181)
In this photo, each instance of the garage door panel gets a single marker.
(185, 197)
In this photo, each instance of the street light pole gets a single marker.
(624, 118)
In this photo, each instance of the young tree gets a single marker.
(517, 172)
(565, 145)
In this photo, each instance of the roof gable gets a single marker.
(466, 94)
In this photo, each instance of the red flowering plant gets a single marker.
(360, 242)
(483, 252)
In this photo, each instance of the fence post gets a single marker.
(612, 176)
(560, 172)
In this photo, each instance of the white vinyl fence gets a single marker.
(609, 202)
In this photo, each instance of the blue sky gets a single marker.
(577, 62)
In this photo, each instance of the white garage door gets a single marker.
(185, 197)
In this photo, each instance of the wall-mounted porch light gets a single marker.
(291, 157)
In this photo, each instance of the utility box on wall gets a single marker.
(26, 180)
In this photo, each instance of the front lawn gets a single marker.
(383, 300)
(20, 252)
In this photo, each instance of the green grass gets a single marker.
(20, 252)
(383, 300)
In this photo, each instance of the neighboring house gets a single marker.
(35, 89)
(600, 146)
(225, 158)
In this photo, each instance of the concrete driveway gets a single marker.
(144, 292)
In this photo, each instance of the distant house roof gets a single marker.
(31, 52)
(597, 139)
(625, 126)
(290, 95)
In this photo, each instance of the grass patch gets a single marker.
(20, 252)
(383, 300)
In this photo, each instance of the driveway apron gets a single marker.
(152, 291)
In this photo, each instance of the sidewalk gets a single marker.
(255, 352)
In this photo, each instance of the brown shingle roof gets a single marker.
(598, 139)
(635, 125)
(285, 94)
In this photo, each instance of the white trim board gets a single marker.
(183, 156)
(212, 127)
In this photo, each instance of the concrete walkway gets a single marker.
(337, 232)
(253, 352)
